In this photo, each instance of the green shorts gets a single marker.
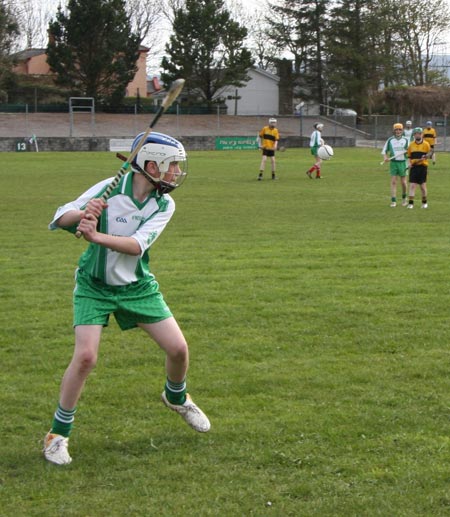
(314, 150)
(139, 302)
(397, 168)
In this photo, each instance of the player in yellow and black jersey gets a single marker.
(430, 136)
(418, 153)
(268, 139)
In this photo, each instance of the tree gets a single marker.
(298, 26)
(315, 19)
(147, 18)
(261, 47)
(33, 21)
(93, 49)
(206, 49)
(353, 53)
(420, 35)
(288, 34)
(8, 32)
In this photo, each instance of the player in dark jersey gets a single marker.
(418, 154)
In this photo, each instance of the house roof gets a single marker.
(265, 73)
(28, 53)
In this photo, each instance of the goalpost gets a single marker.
(82, 105)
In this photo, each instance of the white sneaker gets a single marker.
(424, 205)
(405, 202)
(56, 449)
(393, 204)
(190, 412)
(410, 206)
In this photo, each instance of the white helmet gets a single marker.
(272, 121)
(408, 123)
(163, 150)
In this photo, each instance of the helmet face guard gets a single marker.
(169, 180)
(170, 159)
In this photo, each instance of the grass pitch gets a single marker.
(317, 319)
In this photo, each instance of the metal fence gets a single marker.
(373, 130)
(370, 131)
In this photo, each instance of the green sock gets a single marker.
(63, 421)
(175, 392)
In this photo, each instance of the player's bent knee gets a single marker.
(178, 351)
(86, 361)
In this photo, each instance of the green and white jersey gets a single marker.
(408, 134)
(127, 217)
(315, 139)
(396, 147)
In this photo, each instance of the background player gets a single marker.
(408, 130)
(418, 152)
(430, 136)
(268, 139)
(314, 143)
(394, 152)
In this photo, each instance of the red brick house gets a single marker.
(33, 61)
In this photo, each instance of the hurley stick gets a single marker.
(393, 157)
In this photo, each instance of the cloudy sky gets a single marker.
(52, 5)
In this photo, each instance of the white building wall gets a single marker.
(258, 97)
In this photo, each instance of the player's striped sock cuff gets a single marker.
(175, 391)
(63, 421)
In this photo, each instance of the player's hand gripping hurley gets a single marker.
(398, 155)
(172, 94)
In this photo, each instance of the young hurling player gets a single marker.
(418, 152)
(430, 136)
(315, 142)
(113, 277)
(394, 152)
(408, 130)
(267, 140)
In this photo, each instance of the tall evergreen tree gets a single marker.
(299, 26)
(206, 49)
(8, 32)
(92, 48)
(315, 16)
(351, 45)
